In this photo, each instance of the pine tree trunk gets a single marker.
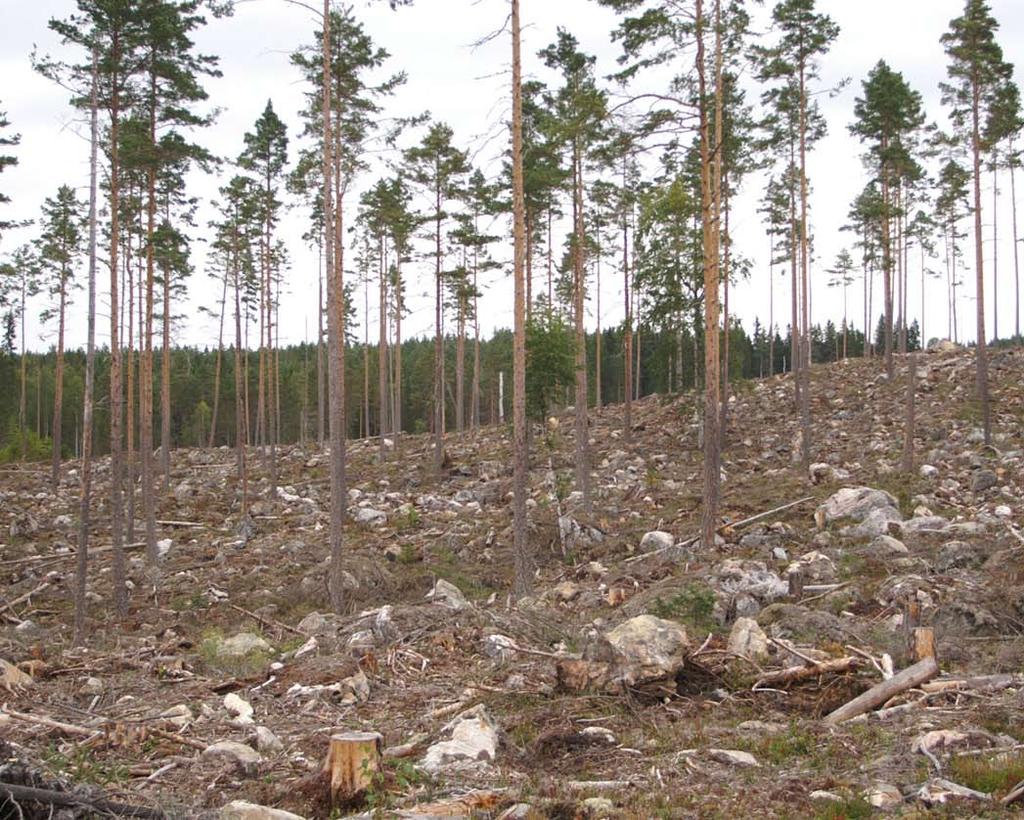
(805, 283)
(58, 386)
(85, 498)
(217, 366)
(981, 347)
(382, 352)
(438, 342)
(523, 583)
(165, 386)
(396, 416)
(134, 270)
(321, 394)
(582, 424)
(627, 353)
(995, 250)
(1016, 242)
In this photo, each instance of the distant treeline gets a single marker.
(669, 361)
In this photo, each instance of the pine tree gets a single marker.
(889, 115)
(60, 247)
(438, 167)
(978, 75)
(6, 161)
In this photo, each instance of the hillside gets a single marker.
(544, 725)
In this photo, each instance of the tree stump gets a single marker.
(796, 585)
(352, 761)
(924, 643)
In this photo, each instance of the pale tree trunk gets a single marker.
(710, 192)
(1016, 241)
(335, 339)
(321, 394)
(165, 386)
(771, 304)
(438, 343)
(134, 270)
(85, 498)
(366, 356)
(217, 366)
(887, 277)
(805, 281)
(146, 387)
(627, 352)
(382, 351)
(979, 268)
(460, 362)
(725, 312)
(995, 249)
(58, 386)
(476, 349)
(908, 426)
(523, 583)
(597, 334)
(582, 425)
(396, 415)
(241, 412)
(23, 401)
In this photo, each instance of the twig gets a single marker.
(11, 604)
(793, 650)
(269, 621)
(792, 674)
(834, 588)
(64, 556)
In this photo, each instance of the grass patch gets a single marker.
(852, 808)
(239, 666)
(995, 775)
(692, 605)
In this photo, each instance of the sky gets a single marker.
(466, 86)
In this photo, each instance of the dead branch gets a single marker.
(909, 678)
(791, 674)
(269, 621)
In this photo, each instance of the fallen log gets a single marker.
(49, 797)
(791, 674)
(909, 678)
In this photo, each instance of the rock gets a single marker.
(92, 686)
(875, 523)
(520, 811)
(267, 742)
(853, 502)
(733, 757)
(748, 639)
(943, 346)
(317, 624)
(12, 678)
(939, 790)
(654, 647)
(245, 759)
(816, 566)
(163, 547)
(983, 480)
(885, 546)
(883, 796)
(239, 708)
(447, 594)
(242, 644)
(499, 647)
(928, 471)
(821, 472)
(736, 577)
(369, 517)
(821, 794)
(1003, 511)
(473, 744)
(241, 810)
(179, 716)
(566, 591)
(761, 727)
(656, 540)
(599, 807)
(62, 522)
(959, 555)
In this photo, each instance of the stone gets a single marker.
(656, 540)
(163, 547)
(599, 807)
(885, 546)
(928, 471)
(1003, 511)
(959, 555)
(447, 594)
(369, 517)
(566, 591)
(733, 757)
(983, 480)
(242, 644)
(241, 810)
(875, 523)
(244, 758)
(653, 646)
(883, 796)
(748, 639)
(853, 502)
(943, 346)
(239, 708)
(499, 647)
(93, 686)
(821, 794)
(472, 744)
(267, 742)
(178, 716)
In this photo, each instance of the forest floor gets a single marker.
(130, 715)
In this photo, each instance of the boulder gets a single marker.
(733, 757)
(242, 644)
(472, 744)
(245, 759)
(853, 502)
(656, 540)
(369, 517)
(447, 594)
(241, 810)
(748, 639)
(653, 646)
(983, 480)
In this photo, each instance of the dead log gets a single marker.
(353, 759)
(909, 678)
(792, 674)
(49, 797)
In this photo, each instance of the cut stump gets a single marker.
(352, 761)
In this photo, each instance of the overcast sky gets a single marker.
(467, 87)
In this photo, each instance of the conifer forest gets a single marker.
(500, 409)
